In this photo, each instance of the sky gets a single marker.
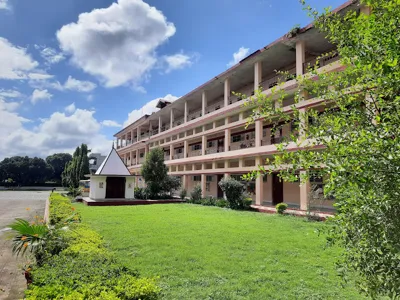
(76, 71)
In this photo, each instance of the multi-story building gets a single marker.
(203, 133)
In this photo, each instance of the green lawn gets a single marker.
(212, 253)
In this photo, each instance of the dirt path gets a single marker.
(15, 204)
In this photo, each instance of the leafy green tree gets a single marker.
(171, 184)
(234, 191)
(359, 130)
(77, 168)
(154, 171)
(58, 162)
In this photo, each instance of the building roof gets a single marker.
(113, 166)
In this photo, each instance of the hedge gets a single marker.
(85, 269)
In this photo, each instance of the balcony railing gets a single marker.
(214, 107)
(194, 153)
(194, 115)
(166, 157)
(214, 150)
(165, 128)
(144, 136)
(154, 132)
(178, 156)
(273, 81)
(141, 160)
(178, 122)
(134, 140)
(243, 145)
(323, 61)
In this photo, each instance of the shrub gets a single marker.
(183, 194)
(281, 207)
(221, 203)
(234, 191)
(209, 201)
(140, 193)
(61, 210)
(195, 195)
(170, 185)
(247, 202)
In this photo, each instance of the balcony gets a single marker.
(144, 136)
(165, 128)
(194, 115)
(166, 157)
(214, 107)
(242, 145)
(178, 156)
(141, 160)
(134, 140)
(214, 150)
(154, 132)
(278, 78)
(323, 61)
(194, 153)
(178, 122)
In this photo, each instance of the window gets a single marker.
(197, 178)
(236, 138)
(208, 185)
(196, 147)
(141, 155)
(209, 178)
(179, 150)
(210, 144)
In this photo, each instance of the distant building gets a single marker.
(95, 161)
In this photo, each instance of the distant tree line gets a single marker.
(24, 170)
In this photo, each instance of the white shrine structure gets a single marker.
(112, 180)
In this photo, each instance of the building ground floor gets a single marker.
(267, 190)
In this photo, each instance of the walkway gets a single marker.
(15, 204)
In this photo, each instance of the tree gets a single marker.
(58, 162)
(154, 171)
(360, 162)
(234, 191)
(77, 168)
(171, 184)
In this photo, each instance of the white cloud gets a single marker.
(117, 44)
(4, 4)
(147, 109)
(70, 108)
(71, 84)
(110, 123)
(10, 94)
(15, 62)
(178, 61)
(90, 98)
(238, 56)
(57, 133)
(50, 55)
(40, 95)
(78, 85)
(8, 106)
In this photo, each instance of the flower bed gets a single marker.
(83, 268)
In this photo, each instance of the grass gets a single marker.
(212, 253)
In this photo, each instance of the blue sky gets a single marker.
(75, 71)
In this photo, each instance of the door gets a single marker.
(277, 189)
(220, 193)
(115, 187)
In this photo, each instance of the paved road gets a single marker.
(15, 204)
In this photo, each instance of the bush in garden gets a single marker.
(139, 193)
(170, 185)
(222, 203)
(195, 195)
(209, 201)
(183, 194)
(247, 202)
(281, 207)
(234, 191)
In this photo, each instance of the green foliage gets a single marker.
(195, 195)
(222, 203)
(183, 194)
(281, 207)
(140, 193)
(58, 161)
(171, 184)
(25, 170)
(77, 168)
(234, 191)
(361, 137)
(61, 210)
(154, 171)
(209, 201)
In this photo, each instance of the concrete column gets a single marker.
(172, 119)
(214, 165)
(171, 152)
(257, 75)
(137, 156)
(186, 112)
(259, 184)
(185, 148)
(303, 124)
(304, 193)
(227, 141)
(203, 145)
(241, 115)
(259, 132)
(185, 182)
(203, 185)
(300, 57)
(215, 124)
(203, 103)
(227, 92)
(131, 158)
(241, 162)
(226, 163)
(138, 133)
(159, 124)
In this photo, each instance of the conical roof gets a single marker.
(113, 165)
